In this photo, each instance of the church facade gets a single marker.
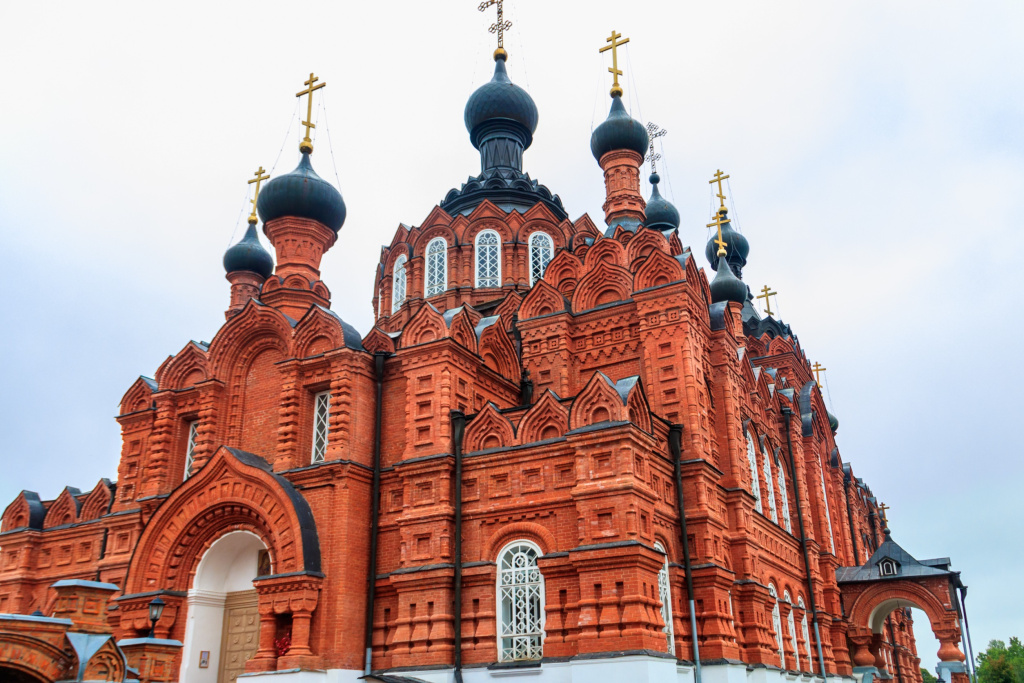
(562, 450)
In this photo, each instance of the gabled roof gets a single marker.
(908, 566)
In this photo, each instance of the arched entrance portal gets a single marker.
(222, 618)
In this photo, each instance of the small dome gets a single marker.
(833, 421)
(501, 100)
(249, 255)
(737, 247)
(619, 131)
(303, 194)
(661, 214)
(726, 286)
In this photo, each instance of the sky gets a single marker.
(876, 160)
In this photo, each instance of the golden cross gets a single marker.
(719, 177)
(881, 509)
(767, 302)
(720, 242)
(817, 369)
(260, 177)
(614, 70)
(307, 145)
(500, 26)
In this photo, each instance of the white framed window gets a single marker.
(437, 266)
(398, 284)
(190, 447)
(777, 624)
(488, 259)
(321, 425)
(784, 495)
(520, 603)
(769, 484)
(791, 624)
(824, 498)
(755, 484)
(888, 567)
(665, 595)
(806, 634)
(541, 251)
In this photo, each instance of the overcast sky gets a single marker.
(876, 150)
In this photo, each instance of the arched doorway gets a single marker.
(222, 622)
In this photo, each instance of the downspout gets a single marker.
(371, 580)
(788, 413)
(849, 518)
(675, 445)
(458, 427)
(967, 631)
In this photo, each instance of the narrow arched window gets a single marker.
(520, 603)
(791, 624)
(806, 634)
(777, 623)
(321, 425)
(488, 259)
(665, 595)
(541, 251)
(755, 484)
(190, 447)
(784, 495)
(769, 484)
(437, 266)
(398, 284)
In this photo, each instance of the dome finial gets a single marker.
(614, 70)
(260, 176)
(653, 132)
(719, 177)
(498, 27)
(306, 146)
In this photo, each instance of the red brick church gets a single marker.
(563, 451)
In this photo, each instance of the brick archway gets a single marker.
(28, 659)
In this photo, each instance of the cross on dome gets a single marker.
(654, 131)
(260, 177)
(498, 27)
(614, 70)
(307, 144)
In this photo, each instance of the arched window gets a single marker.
(398, 284)
(488, 259)
(791, 624)
(824, 498)
(520, 603)
(665, 595)
(777, 624)
(190, 447)
(755, 484)
(437, 266)
(769, 484)
(806, 634)
(541, 251)
(785, 499)
(888, 567)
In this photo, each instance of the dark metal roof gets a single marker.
(908, 566)
(304, 194)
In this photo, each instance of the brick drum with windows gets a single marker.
(487, 482)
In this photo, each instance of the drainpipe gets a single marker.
(458, 427)
(675, 445)
(849, 516)
(371, 581)
(967, 631)
(788, 413)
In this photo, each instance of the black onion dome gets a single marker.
(619, 131)
(737, 247)
(833, 422)
(726, 286)
(249, 255)
(501, 100)
(303, 194)
(661, 214)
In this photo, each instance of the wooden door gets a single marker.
(241, 634)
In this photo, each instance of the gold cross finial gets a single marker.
(307, 145)
(654, 132)
(719, 177)
(766, 293)
(720, 242)
(817, 369)
(260, 176)
(499, 27)
(881, 510)
(614, 70)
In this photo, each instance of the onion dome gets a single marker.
(660, 213)
(619, 131)
(737, 247)
(500, 104)
(248, 254)
(303, 194)
(833, 421)
(726, 286)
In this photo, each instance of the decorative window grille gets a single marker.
(785, 499)
(520, 603)
(398, 284)
(770, 485)
(665, 595)
(488, 259)
(755, 484)
(190, 447)
(437, 266)
(321, 424)
(806, 634)
(777, 624)
(824, 498)
(541, 251)
(791, 624)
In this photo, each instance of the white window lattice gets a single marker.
(488, 259)
(785, 499)
(665, 595)
(437, 266)
(398, 284)
(791, 623)
(824, 498)
(755, 484)
(321, 424)
(520, 603)
(190, 448)
(777, 624)
(806, 634)
(770, 485)
(541, 251)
